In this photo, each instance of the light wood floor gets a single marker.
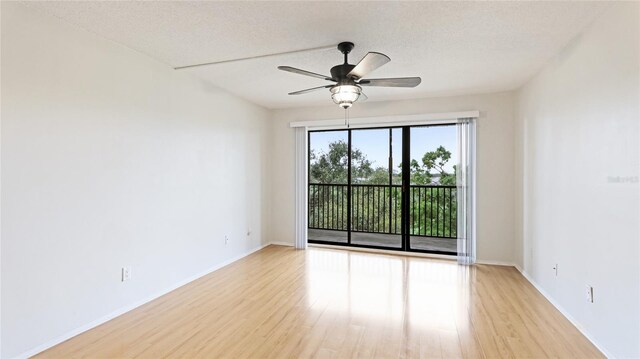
(279, 303)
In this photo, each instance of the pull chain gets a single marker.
(346, 117)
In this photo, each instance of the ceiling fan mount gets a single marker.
(349, 78)
(346, 47)
(340, 72)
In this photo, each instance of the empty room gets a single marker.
(320, 179)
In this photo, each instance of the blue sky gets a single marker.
(375, 143)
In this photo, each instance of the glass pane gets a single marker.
(375, 202)
(432, 194)
(328, 157)
(328, 164)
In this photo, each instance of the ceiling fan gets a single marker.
(349, 78)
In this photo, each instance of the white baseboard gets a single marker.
(135, 305)
(276, 243)
(565, 313)
(495, 263)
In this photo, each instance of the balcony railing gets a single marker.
(377, 209)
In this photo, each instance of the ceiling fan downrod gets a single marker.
(345, 48)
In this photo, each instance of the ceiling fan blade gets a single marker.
(309, 90)
(304, 72)
(362, 97)
(369, 62)
(392, 82)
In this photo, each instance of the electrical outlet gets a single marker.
(126, 273)
(226, 240)
(555, 269)
(589, 293)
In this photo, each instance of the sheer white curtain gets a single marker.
(465, 178)
(301, 188)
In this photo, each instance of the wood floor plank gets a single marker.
(326, 303)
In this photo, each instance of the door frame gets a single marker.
(406, 183)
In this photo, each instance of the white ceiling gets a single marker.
(456, 47)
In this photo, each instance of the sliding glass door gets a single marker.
(376, 188)
(432, 213)
(328, 192)
(385, 188)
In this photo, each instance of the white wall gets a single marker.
(111, 159)
(578, 131)
(495, 163)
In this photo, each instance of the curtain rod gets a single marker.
(389, 120)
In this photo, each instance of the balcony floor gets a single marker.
(384, 240)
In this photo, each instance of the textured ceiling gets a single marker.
(456, 47)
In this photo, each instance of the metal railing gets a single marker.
(378, 209)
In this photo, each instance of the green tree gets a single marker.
(418, 174)
(379, 176)
(331, 167)
(433, 163)
(372, 206)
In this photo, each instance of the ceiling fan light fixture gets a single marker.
(349, 78)
(345, 95)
